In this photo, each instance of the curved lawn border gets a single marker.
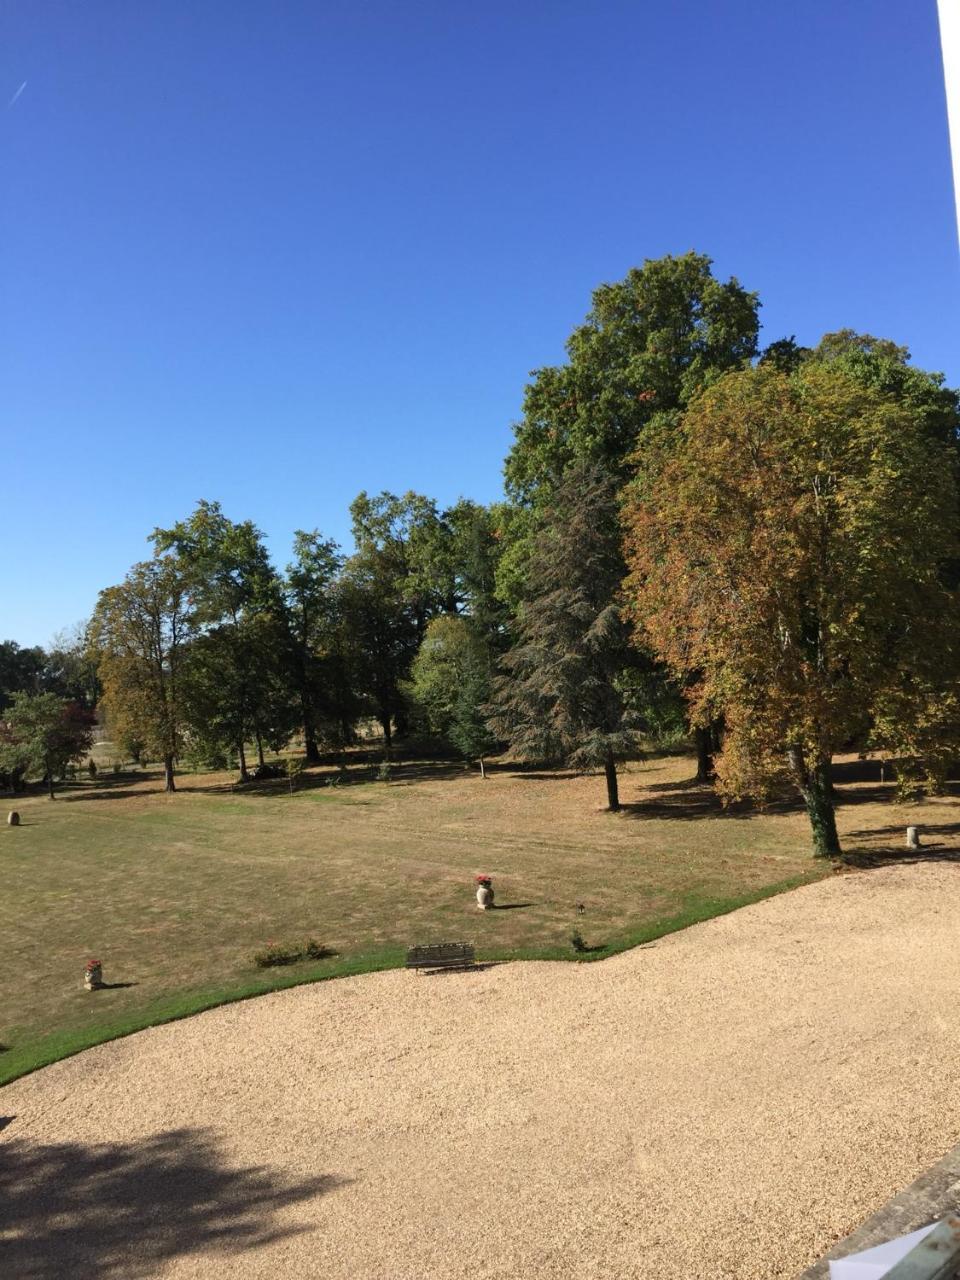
(15, 1062)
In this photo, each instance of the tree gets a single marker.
(42, 734)
(310, 612)
(649, 343)
(233, 590)
(451, 684)
(787, 554)
(141, 632)
(562, 694)
(21, 670)
(70, 667)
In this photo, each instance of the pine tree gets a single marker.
(562, 694)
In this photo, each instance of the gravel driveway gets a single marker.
(725, 1102)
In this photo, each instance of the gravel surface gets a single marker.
(725, 1102)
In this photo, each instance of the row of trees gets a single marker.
(758, 545)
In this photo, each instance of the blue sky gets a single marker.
(273, 254)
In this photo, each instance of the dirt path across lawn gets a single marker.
(723, 1103)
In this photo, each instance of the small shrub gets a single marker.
(117, 768)
(275, 954)
(293, 767)
(280, 953)
(92, 768)
(385, 772)
(577, 942)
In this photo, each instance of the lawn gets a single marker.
(175, 893)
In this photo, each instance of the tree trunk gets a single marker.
(168, 782)
(813, 783)
(241, 755)
(260, 749)
(482, 770)
(613, 790)
(311, 747)
(50, 783)
(387, 735)
(704, 742)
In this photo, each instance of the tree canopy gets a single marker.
(787, 551)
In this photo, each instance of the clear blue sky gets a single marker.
(276, 253)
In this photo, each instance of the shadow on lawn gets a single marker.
(856, 782)
(123, 1209)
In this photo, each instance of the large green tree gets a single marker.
(649, 343)
(235, 608)
(788, 551)
(451, 684)
(564, 691)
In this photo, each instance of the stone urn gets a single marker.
(93, 975)
(13, 818)
(484, 893)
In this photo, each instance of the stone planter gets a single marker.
(93, 976)
(484, 894)
(913, 838)
(13, 818)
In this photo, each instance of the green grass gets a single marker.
(175, 893)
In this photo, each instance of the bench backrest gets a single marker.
(438, 955)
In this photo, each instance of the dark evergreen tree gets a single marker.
(563, 692)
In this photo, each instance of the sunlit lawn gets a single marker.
(175, 893)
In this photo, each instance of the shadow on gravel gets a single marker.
(123, 1209)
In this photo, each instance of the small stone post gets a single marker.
(13, 818)
(913, 838)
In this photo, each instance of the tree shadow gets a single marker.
(510, 906)
(888, 854)
(122, 1209)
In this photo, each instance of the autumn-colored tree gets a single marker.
(141, 632)
(786, 551)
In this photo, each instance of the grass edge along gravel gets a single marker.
(16, 1061)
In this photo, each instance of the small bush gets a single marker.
(577, 942)
(92, 768)
(117, 768)
(280, 953)
(275, 954)
(385, 772)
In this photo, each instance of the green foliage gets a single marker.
(235, 687)
(648, 344)
(41, 735)
(562, 693)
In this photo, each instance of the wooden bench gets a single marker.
(441, 955)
